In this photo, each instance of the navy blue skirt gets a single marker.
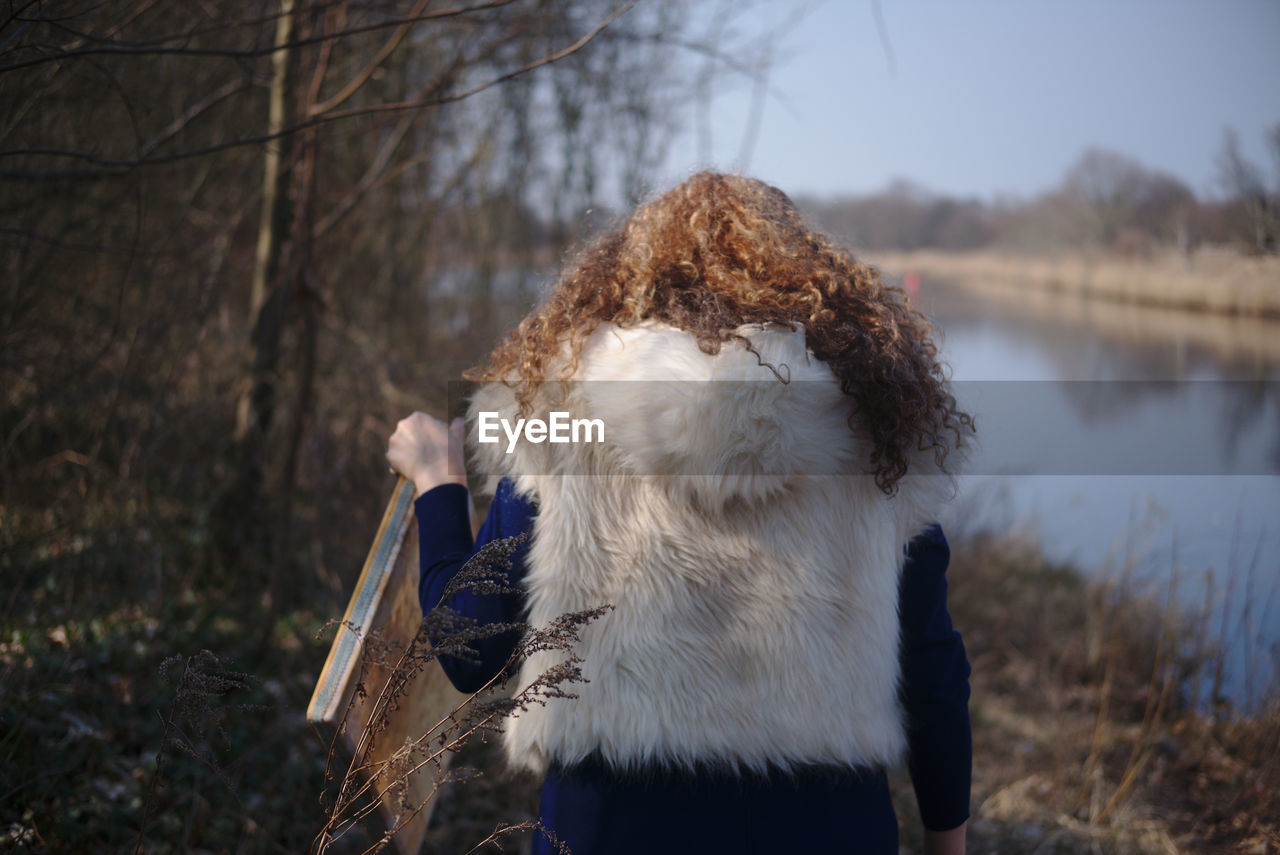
(595, 810)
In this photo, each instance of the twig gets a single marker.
(361, 77)
(883, 31)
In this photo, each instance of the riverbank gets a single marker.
(1085, 735)
(1215, 281)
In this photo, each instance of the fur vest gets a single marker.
(751, 560)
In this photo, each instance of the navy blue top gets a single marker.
(595, 809)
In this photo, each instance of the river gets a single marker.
(1130, 442)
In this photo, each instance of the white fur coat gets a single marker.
(752, 563)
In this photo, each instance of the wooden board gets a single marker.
(385, 605)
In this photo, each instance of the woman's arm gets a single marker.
(429, 454)
(444, 546)
(935, 677)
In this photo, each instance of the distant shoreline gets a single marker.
(1215, 281)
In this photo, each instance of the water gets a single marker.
(1124, 437)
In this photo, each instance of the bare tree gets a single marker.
(1246, 183)
(238, 240)
(1123, 203)
(226, 224)
(1106, 185)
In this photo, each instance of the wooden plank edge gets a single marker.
(329, 700)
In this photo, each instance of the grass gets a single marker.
(98, 752)
(1207, 281)
(1086, 735)
(1086, 738)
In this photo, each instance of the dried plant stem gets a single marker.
(367, 784)
(149, 800)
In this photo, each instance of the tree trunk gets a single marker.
(241, 521)
(304, 300)
(257, 402)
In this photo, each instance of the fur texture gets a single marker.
(752, 561)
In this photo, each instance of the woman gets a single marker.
(776, 439)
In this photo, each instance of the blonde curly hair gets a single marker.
(720, 251)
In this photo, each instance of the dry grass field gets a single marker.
(1217, 281)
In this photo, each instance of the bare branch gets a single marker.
(17, 14)
(371, 177)
(363, 75)
(182, 37)
(251, 53)
(110, 167)
(885, 44)
(193, 112)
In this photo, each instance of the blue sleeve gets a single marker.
(935, 687)
(444, 545)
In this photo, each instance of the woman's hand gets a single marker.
(427, 453)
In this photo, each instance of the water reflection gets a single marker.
(1123, 427)
(1096, 340)
(1193, 502)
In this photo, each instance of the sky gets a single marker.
(987, 99)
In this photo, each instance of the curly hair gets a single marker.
(720, 251)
